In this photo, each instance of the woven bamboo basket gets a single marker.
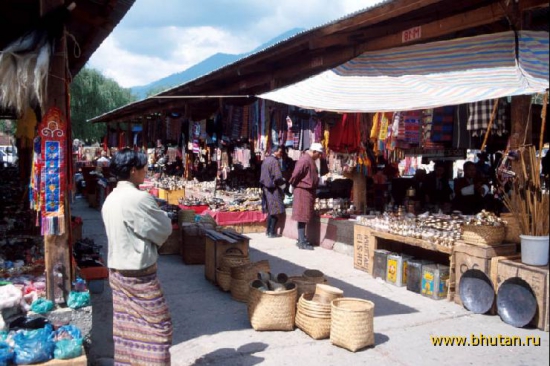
(241, 277)
(483, 235)
(314, 275)
(316, 328)
(271, 310)
(186, 216)
(304, 284)
(312, 308)
(233, 260)
(249, 271)
(325, 293)
(512, 228)
(352, 324)
(224, 280)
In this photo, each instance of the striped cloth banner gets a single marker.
(428, 75)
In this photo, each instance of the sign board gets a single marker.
(411, 34)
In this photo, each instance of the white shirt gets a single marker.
(135, 227)
(103, 162)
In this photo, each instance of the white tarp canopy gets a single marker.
(428, 75)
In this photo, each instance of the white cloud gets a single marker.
(143, 49)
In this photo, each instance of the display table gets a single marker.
(235, 218)
(367, 240)
(198, 209)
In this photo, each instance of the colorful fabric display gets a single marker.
(53, 175)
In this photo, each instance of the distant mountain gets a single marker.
(212, 63)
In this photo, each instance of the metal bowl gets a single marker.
(476, 291)
(516, 302)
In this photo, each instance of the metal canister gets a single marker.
(434, 281)
(380, 263)
(396, 269)
(414, 274)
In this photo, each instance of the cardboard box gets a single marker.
(536, 277)
(363, 248)
(468, 256)
(172, 197)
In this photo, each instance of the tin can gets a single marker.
(380, 263)
(434, 281)
(414, 274)
(396, 269)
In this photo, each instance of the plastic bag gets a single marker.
(66, 349)
(34, 346)
(6, 354)
(78, 300)
(42, 306)
(67, 332)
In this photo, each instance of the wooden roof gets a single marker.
(90, 23)
(327, 46)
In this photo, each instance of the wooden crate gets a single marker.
(363, 248)
(468, 256)
(172, 197)
(536, 277)
(217, 244)
(172, 245)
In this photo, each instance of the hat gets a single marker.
(317, 147)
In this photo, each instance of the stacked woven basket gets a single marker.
(229, 260)
(241, 277)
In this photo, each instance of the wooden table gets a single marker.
(367, 240)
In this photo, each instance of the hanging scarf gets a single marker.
(53, 146)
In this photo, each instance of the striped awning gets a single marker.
(428, 75)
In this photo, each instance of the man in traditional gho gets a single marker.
(136, 227)
(305, 180)
(272, 182)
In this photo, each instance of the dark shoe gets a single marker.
(305, 246)
(273, 236)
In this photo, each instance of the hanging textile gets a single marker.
(480, 117)
(53, 145)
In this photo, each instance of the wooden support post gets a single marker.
(521, 129)
(56, 252)
(359, 191)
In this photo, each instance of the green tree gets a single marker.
(92, 95)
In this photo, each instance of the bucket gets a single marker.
(534, 250)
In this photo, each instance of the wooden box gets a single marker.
(536, 277)
(172, 244)
(172, 197)
(363, 248)
(193, 244)
(468, 256)
(217, 244)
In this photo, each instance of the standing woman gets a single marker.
(271, 180)
(136, 228)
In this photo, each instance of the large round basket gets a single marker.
(241, 277)
(325, 293)
(224, 280)
(304, 285)
(271, 310)
(483, 235)
(249, 271)
(313, 318)
(233, 260)
(186, 216)
(512, 228)
(352, 324)
(314, 275)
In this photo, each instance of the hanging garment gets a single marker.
(480, 117)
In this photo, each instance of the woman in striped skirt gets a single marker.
(136, 228)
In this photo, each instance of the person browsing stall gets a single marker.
(470, 191)
(438, 191)
(305, 180)
(136, 227)
(273, 183)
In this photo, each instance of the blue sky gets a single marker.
(159, 38)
